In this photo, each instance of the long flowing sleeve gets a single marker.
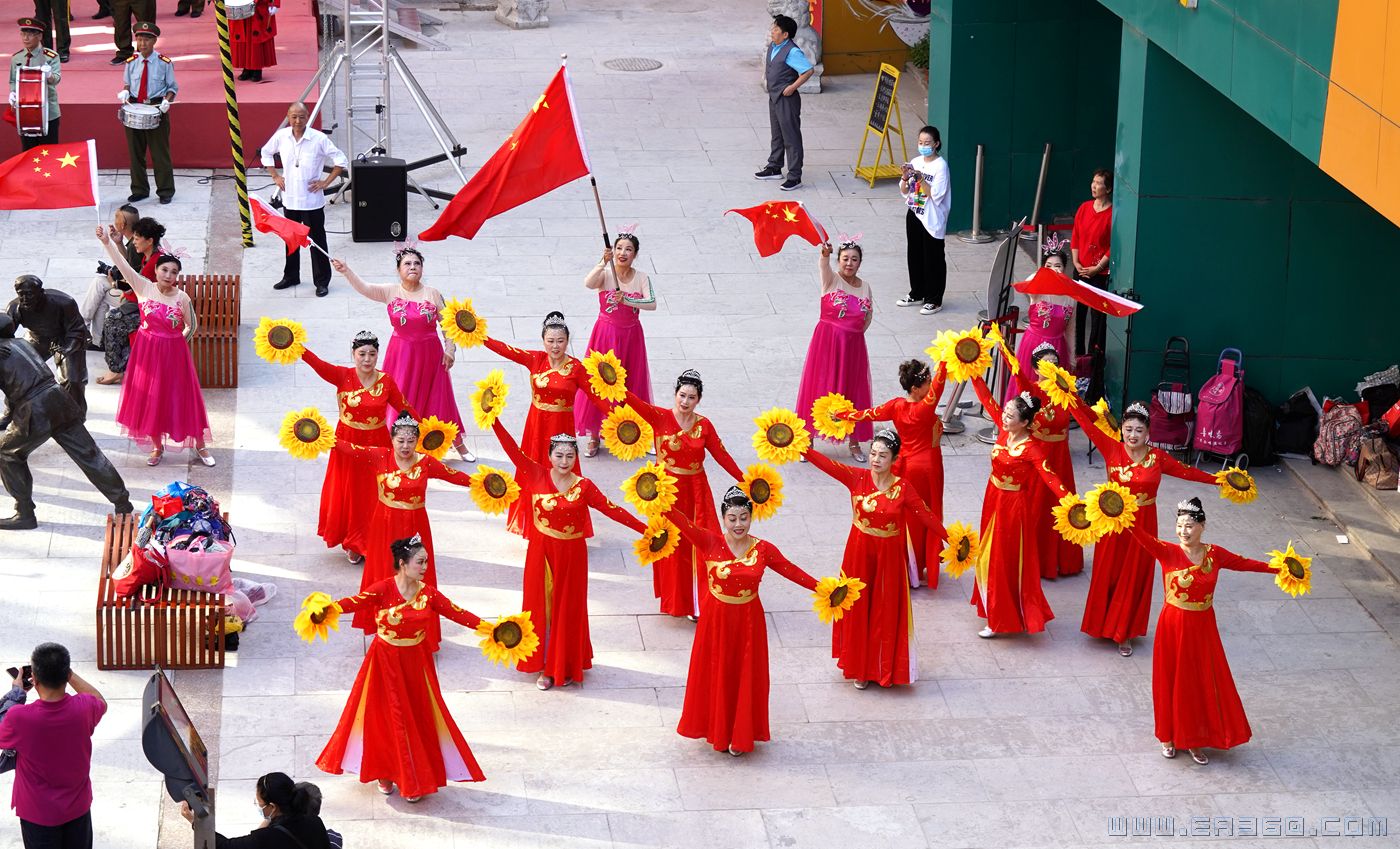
(600, 502)
(1040, 459)
(715, 446)
(915, 510)
(512, 353)
(445, 608)
(1177, 469)
(882, 413)
(1161, 551)
(647, 410)
(988, 402)
(702, 538)
(584, 385)
(1226, 559)
(1107, 445)
(366, 599)
(525, 468)
(395, 395)
(437, 470)
(356, 453)
(847, 476)
(324, 370)
(774, 559)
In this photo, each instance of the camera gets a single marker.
(104, 268)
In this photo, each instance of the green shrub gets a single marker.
(918, 54)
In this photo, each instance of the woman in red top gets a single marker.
(873, 641)
(1088, 248)
(726, 689)
(1193, 694)
(1050, 428)
(1007, 591)
(920, 462)
(682, 438)
(396, 728)
(558, 526)
(1120, 588)
(363, 394)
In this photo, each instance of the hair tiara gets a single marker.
(404, 420)
(555, 319)
(1043, 348)
(1191, 507)
(888, 436)
(734, 497)
(563, 439)
(1138, 408)
(1053, 245)
(690, 375)
(365, 337)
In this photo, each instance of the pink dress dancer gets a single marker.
(836, 358)
(161, 396)
(414, 360)
(1045, 322)
(618, 329)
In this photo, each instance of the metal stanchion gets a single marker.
(975, 235)
(1039, 192)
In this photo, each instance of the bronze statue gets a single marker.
(56, 329)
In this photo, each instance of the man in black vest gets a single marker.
(786, 70)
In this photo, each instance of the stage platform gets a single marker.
(199, 136)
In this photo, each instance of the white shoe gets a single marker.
(907, 301)
(930, 309)
(986, 633)
(465, 453)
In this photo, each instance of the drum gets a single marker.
(32, 111)
(140, 116)
(239, 10)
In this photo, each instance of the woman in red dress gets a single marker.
(558, 526)
(682, 438)
(363, 394)
(1193, 694)
(872, 642)
(1007, 590)
(1050, 428)
(1120, 587)
(726, 690)
(920, 462)
(252, 41)
(396, 728)
(555, 378)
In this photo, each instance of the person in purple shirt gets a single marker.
(53, 739)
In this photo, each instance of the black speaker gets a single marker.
(379, 190)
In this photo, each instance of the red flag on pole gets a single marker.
(266, 219)
(1048, 281)
(50, 176)
(545, 152)
(775, 220)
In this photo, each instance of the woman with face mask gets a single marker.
(287, 823)
(927, 192)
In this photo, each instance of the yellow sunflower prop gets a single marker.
(1236, 485)
(660, 541)
(1294, 571)
(318, 617)
(305, 434)
(994, 334)
(825, 420)
(626, 434)
(651, 489)
(1111, 506)
(962, 548)
(782, 437)
(279, 340)
(461, 324)
(764, 487)
(1105, 421)
(508, 640)
(607, 377)
(968, 354)
(1072, 521)
(489, 399)
(493, 490)
(1056, 383)
(435, 436)
(834, 596)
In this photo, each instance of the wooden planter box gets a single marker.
(215, 343)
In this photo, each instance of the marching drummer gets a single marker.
(150, 81)
(32, 55)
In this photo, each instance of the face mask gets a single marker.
(926, 150)
(262, 809)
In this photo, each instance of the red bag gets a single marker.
(167, 505)
(141, 569)
(1392, 420)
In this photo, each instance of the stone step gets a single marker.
(1369, 517)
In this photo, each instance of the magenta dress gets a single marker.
(836, 358)
(618, 329)
(161, 396)
(1044, 323)
(414, 360)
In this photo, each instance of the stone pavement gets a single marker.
(1013, 742)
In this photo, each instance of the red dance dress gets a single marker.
(837, 359)
(1193, 694)
(726, 690)
(674, 580)
(556, 562)
(400, 511)
(920, 463)
(348, 492)
(252, 41)
(1007, 591)
(1050, 429)
(396, 727)
(873, 641)
(1120, 586)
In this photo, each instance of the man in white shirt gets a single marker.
(304, 152)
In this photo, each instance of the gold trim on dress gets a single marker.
(1050, 437)
(371, 424)
(1007, 483)
(551, 408)
(721, 569)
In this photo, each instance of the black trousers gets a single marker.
(320, 263)
(74, 834)
(124, 14)
(17, 444)
(51, 137)
(157, 141)
(54, 15)
(928, 265)
(785, 129)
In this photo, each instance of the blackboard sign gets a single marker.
(884, 97)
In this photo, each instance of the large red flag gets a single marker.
(50, 176)
(1048, 281)
(545, 152)
(294, 233)
(775, 220)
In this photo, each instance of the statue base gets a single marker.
(523, 14)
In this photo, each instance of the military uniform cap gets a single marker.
(146, 28)
(31, 24)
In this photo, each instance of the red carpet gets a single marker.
(199, 136)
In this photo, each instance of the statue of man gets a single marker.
(56, 329)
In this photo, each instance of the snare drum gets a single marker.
(239, 10)
(32, 111)
(140, 116)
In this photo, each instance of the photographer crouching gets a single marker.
(109, 307)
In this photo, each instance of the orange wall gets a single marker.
(857, 45)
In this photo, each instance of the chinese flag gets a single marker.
(545, 152)
(266, 219)
(50, 176)
(775, 220)
(1048, 281)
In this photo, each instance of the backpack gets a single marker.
(1220, 407)
(1258, 428)
(1339, 436)
(1377, 464)
(1297, 425)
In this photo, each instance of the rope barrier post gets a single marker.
(975, 235)
(235, 130)
(1039, 193)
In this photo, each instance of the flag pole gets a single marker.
(592, 181)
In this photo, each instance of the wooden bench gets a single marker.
(177, 629)
(215, 343)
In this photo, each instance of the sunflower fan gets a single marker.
(607, 377)
(825, 416)
(994, 333)
(1112, 507)
(1236, 485)
(489, 399)
(1105, 421)
(659, 541)
(461, 324)
(493, 489)
(834, 596)
(962, 549)
(968, 354)
(1293, 571)
(435, 436)
(781, 437)
(305, 434)
(318, 617)
(764, 487)
(651, 489)
(279, 340)
(508, 640)
(1057, 384)
(625, 433)
(1072, 521)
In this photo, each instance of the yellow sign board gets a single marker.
(884, 108)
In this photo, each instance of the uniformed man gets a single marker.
(150, 79)
(124, 12)
(35, 56)
(53, 16)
